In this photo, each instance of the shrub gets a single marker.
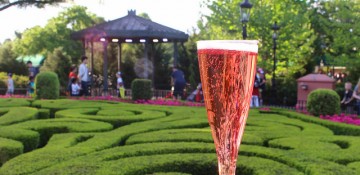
(47, 85)
(141, 89)
(323, 101)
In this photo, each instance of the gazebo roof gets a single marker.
(131, 29)
(316, 78)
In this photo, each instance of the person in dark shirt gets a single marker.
(348, 97)
(32, 70)
(178, 80)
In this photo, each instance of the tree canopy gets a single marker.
(4, 4)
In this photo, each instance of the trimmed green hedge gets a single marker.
(337, 128)
(88, 137)
(9, 149)
(47, 85)
(13, 102)
(17, 114)
(323, 102)
(30, 139)
(141, 89)
(109, 115)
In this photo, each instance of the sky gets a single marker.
(178, 14)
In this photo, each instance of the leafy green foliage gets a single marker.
(8, 62)
(59, 63)
(337, 33)
(4, 4)
(323, 102)
(36, 40)
(47, 85)
(141, 89)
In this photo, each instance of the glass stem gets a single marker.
(225, 168)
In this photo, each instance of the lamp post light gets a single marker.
(275, 28)
(245, 8)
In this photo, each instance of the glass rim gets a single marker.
(238, 45)
(230, 41)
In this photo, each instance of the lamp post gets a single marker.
(245, 8)
(275, 28)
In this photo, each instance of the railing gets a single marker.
(17, 91)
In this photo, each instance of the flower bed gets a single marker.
(343, 118)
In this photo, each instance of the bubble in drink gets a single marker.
(227, 70)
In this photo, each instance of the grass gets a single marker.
(99, 137)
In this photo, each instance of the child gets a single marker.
(347, 99)
(10, 85)
(31, 86)
(120, 85)
(75, 88)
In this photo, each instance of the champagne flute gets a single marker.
(227, 70)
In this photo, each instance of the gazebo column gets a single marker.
(153, 62)
(146, 59)
(175, 54)
(119, 57)
(84, 46)
(92, 67)
(105, 68)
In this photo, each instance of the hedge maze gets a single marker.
(87, 137)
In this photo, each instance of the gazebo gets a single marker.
(129, 29)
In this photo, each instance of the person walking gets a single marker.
(84, 76)
(346, 102)
(262, 85)
(10, 85)
(254, 102)
(178, 80)
(356, 95)
(120, 85)
(32, 70)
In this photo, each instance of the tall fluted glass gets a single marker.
(227, 69)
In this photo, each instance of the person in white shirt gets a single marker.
(120, 85)
(10, 85)
(75, 88)
(84, 76)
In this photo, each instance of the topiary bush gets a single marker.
(47, 86)
(141, 89)
(323, 101)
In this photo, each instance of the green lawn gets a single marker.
(84, 137)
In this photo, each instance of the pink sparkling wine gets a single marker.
(227, 70)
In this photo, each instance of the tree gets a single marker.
(4, 4)
(59, 63)
(8, 62)
(337, 32)
(293, 52)
(56, 33)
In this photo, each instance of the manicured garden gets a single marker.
(107, 137)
